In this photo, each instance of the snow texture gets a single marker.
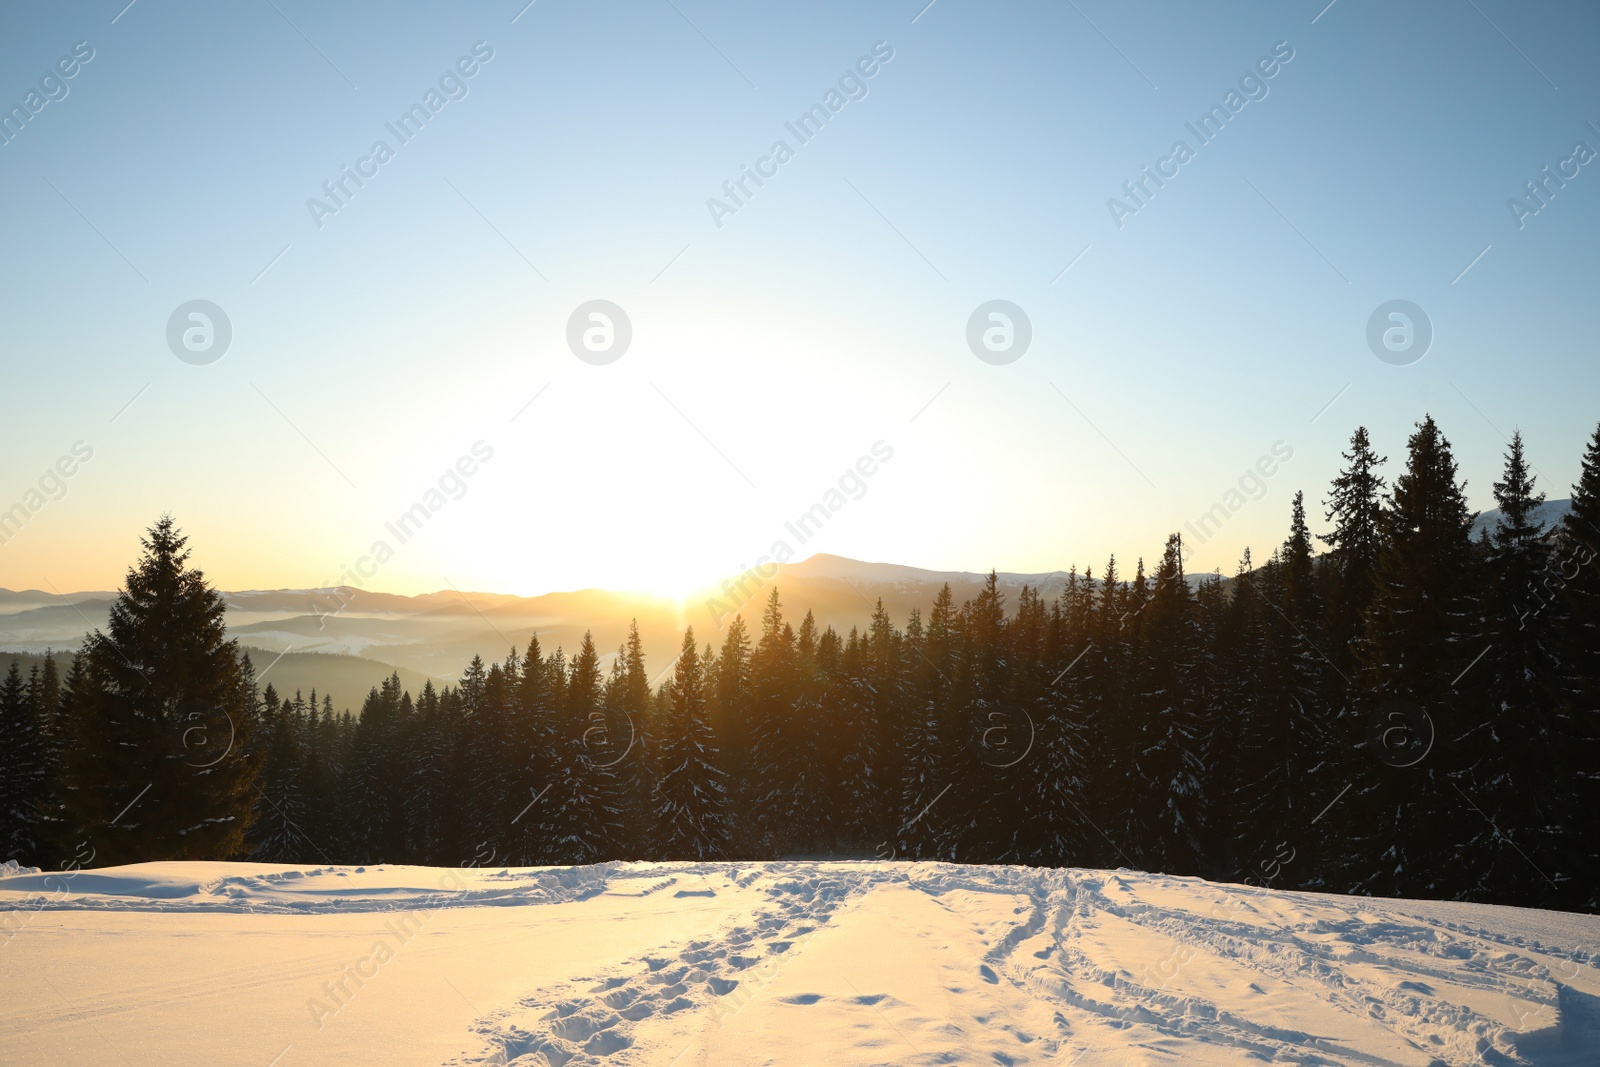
(772, 963)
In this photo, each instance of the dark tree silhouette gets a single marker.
(161, 757)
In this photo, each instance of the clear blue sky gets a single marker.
(823, 316)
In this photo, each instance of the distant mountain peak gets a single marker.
(1551, 512)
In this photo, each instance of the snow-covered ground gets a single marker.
(173, 964)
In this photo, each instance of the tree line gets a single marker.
(1410, 711)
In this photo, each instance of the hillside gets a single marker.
(774, 963)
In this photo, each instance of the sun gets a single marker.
(673, 577)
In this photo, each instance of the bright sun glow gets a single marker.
(675, 576)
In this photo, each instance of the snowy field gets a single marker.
(177, 964)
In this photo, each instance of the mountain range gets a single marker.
(342, 641)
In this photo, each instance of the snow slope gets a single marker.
(781, 963)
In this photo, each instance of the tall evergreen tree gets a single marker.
(1421, 635)
(936, 735)
(1171, 758)
(630, 715)
(1243, 768)
(731, 711)
(45, 695)
(1300, 687)
(584, 779)
(1577, 590)
(22, 771)
(1521, 728)
(163, 758)
(691, 790)
(774, 748)
(277, 831)
(1355, 507)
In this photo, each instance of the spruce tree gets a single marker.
(22, 772)
(1245, 766)
(584, 783)
(775, 680)
(45, 693)
(987, 797)
(1576, 589)
(935, 738)
(537, 751)
(1301, 686)
(803, 769)
(1037, 764)
(321, 762)
(1167, 808)
(1421, 635)
(1104, 674)
(1355, 507)
(731, 709)
(163, 757)
(691, 790)
(886, 678)
(426, 803)
(1522, 773)
(487, 757)
(851, 722)
(630, 714)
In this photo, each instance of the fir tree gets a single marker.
(537, 751)
(22, 771)
(1244, 767)
(1301, 686)
(1521, 728)
(1171, 758)
(584, 780)
(773, 749)
(280, 803)
(630, 714)
(690, 792)
(1576, 588)
(936, 735)
(1355, 507)
(162, 761)
(1419, 630)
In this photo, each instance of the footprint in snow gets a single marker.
(988, 974)
(606, 1042)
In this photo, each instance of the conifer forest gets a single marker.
(1381, 704)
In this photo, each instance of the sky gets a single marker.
(402, 346)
